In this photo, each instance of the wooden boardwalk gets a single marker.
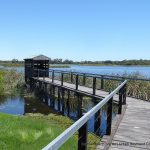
(99, 93)
(134, 130)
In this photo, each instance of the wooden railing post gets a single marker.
(53, 76)
(62, 79)
(46, 94)
(120, 101)
(94, 85)
(68, 103)
(102, 82)
(97, 122)
(77, 81)
(63, 101)
(79, 109)
(43, 75)
(58, 99)
(83, 131)
(124, 94)
(71, 77)
(109, 116)
(38, 73)
(82, 142)
(53, 95)
(84, 79)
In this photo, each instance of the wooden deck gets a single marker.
(134, 130)
(98, 93)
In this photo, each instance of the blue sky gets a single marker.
(75, 29)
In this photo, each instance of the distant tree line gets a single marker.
(107, 62)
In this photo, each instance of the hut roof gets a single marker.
(39, 57)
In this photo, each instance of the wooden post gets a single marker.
(82, 142)
(79, 109)
(124, 94)
(84, 79)
(53, 76)
(46, 94)
(62, 79)
(94, 85)
(58, 99)
(83, 131)
(71, 77)
(102, 82)
(97, 122)
(77, 81)
(53, 96)
(68, 104)
(38, 73)
(120, 101)
(63, 101)
(109, 116)
(43, 75)
(40, 85)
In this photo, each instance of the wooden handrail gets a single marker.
(109, 77)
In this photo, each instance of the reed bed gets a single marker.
(10, 81)
(135, 88)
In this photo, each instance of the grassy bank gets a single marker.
(10, 81)
(35, 131)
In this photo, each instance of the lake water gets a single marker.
(109, 70)
(104, 70)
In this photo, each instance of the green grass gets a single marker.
(10, 81)
(35, 131)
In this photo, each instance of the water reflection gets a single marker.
(20, 105)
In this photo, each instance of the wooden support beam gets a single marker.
(53, 76)
(58, 99)
(63, 101)
(77, 81)
(97, 121)
(109, 116)
(82, 137)
(120, 101)
(84, 79)
(68, 104)
(71, 77)
(79, 109)
(46, 94)
(62, 79)
(102, 82)
(53, 96)
(124, 94)
(94, 85)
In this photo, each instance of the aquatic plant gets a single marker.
(10, 81)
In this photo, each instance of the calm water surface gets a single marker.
(101, 69)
